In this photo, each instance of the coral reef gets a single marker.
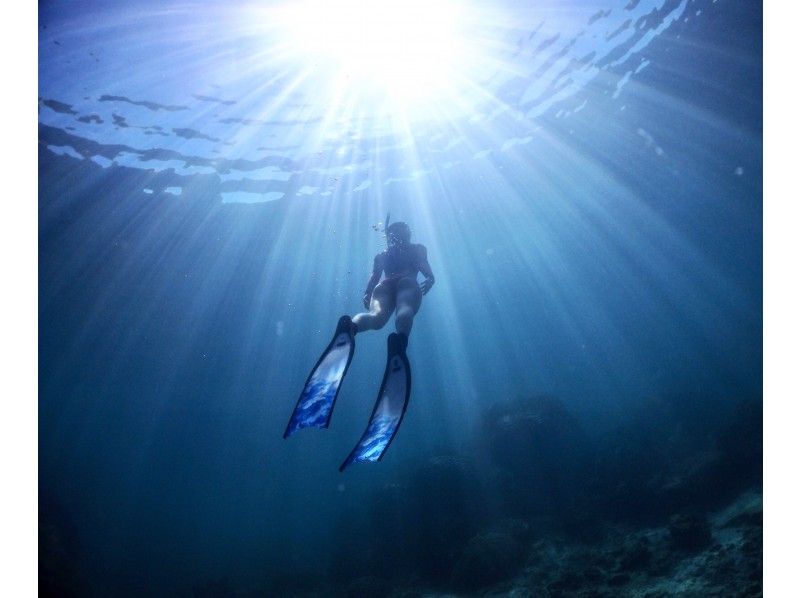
(647, 562)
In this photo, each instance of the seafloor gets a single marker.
(667, 504)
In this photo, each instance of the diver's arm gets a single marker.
(375, 277)
(425, 268)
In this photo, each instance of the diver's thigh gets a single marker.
(383, 299)
(408, 294)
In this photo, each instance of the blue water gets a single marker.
(592, 212)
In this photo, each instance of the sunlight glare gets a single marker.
(407, 49)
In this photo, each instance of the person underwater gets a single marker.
(398, 292)
(392, 288)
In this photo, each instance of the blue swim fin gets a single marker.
(390, 406)
(315, 405)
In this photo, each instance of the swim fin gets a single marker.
(390, 406)
(315, 405)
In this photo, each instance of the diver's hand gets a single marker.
(426, 285)
(366, 300)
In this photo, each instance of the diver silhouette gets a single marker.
(397, 292)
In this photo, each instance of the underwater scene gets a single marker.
(362, 299)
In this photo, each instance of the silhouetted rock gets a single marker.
(620, 579)
(730, 466)
(636, 557)
(544, 458)
(689, 533)
(492, 556)
(672, 457)
(741, 444)
(634, 461)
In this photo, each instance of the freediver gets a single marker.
(399, 293)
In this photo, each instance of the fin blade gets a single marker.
(390, 407)
(315, 405)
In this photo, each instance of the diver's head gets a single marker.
(398, 234)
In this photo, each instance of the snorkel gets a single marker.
(399, 237)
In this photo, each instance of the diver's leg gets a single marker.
(409, 298)
(381, 307)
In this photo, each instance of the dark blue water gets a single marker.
(588, 364)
